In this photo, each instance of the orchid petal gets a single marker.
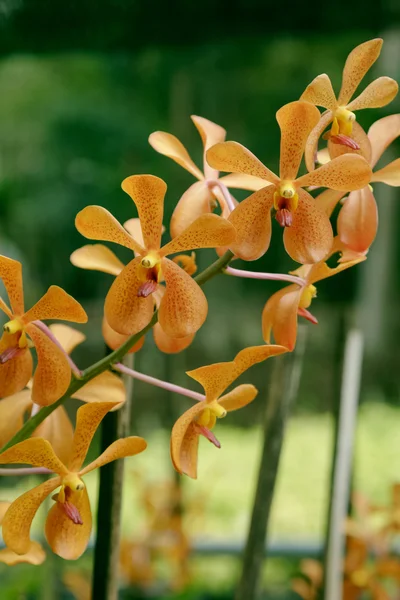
(36, 452)
(211, 134)
(321, 270)
(169, 145)
(16, 372)
(66, 538)
(35, 556)
(18, 519)
(243, 182)
(169, 345)
(114, 340)
(320, 93)
(56, 304)
(389, 174)
(88, 418)
(310, 237)
(96, 257)
(53, 372)
(296, 120)
(106, 387)
(183, 309)
(279, 317)
(11, 276)
(134, 229)
(344, 173)
(214, 378)
(12, 410)
(239, 397)
(235, 158)
(358, 220)
(57, 429)
(381, 134)
(207, 231)
(360, 137)
(358, 63)
(119, 449)
(68, 337)
(196, 201)
(328, 200)
(311, 148)
(147, 192)
(185, 442)
(252, 221)
(252, 355)
(377, 94)
(125, 312)
(97, 223)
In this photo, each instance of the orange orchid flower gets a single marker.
(345, 133)
(128, 306)
(308, 233)
(280, 313)
(309, 586)
(201, 418)
(34, 556)
(69, 521)
(53, 373)
(57, 427)
(201, 197)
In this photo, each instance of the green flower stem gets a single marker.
(106, 362)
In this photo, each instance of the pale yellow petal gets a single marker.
(196, 201)
(238, 397)
(96, 257)
(389, 174)
(381, 134)
(211, 134)
(235, 158)
(169, 145)
(311, 148)
(244, 182)
(57, 429)
(106, 387)
(320, 92)
(344, 173)
(68, 337)
(12, 411)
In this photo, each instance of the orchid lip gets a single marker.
(147, 288)
(208, 434)
(10, 353)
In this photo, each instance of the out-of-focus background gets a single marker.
(82, 85)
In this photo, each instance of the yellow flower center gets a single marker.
(286, 200)
(309, 292)
(150, 260)
(210, 414)
(343, 122)
(360, 577)
(73, 482)
(16, 326)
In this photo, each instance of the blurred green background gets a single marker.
(82, 85)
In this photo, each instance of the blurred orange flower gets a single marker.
(35, 554)
(53, 373)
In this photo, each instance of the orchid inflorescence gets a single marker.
(156, 290)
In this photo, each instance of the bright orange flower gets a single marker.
(308, 233)
(128, 306)
(69, 521)
(53, 373)
(57, 427)
(34, 556)
(201, 418)
(345, 133)
(280, 313)
(201, 197)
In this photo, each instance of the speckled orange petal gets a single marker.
(11, 276)
(389, 174)
(5, 308)
(183, 309)
(170, 345)
(347, 172)
(207, 231)
(68, 337)
(244, 182)
(320, 92)
(15, 373)
(18, 519)
(12, 411)
(214, 378)
(97, 223)
(328, 200)
(114, 340)
(252, 221)
(358, 220)
(358, 62)
(56, 304)
(121, 448)
(239, 397)
(36, 452)
(106, 387)
(378, 93)
(235, 158)
(311, 148)
(252, 355)
(310, 238)
(359, 136)
(96, 257)
(53, 372)
(321, 270)
(147, 192)
(279, 317)
(381, 134)
(64, 537)
(125, 312)
(211, 134)
(194, 203)
(57, 429)
(169, 145)
(185, 442)
(88, 418)
(35, 556)
(296, 120)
